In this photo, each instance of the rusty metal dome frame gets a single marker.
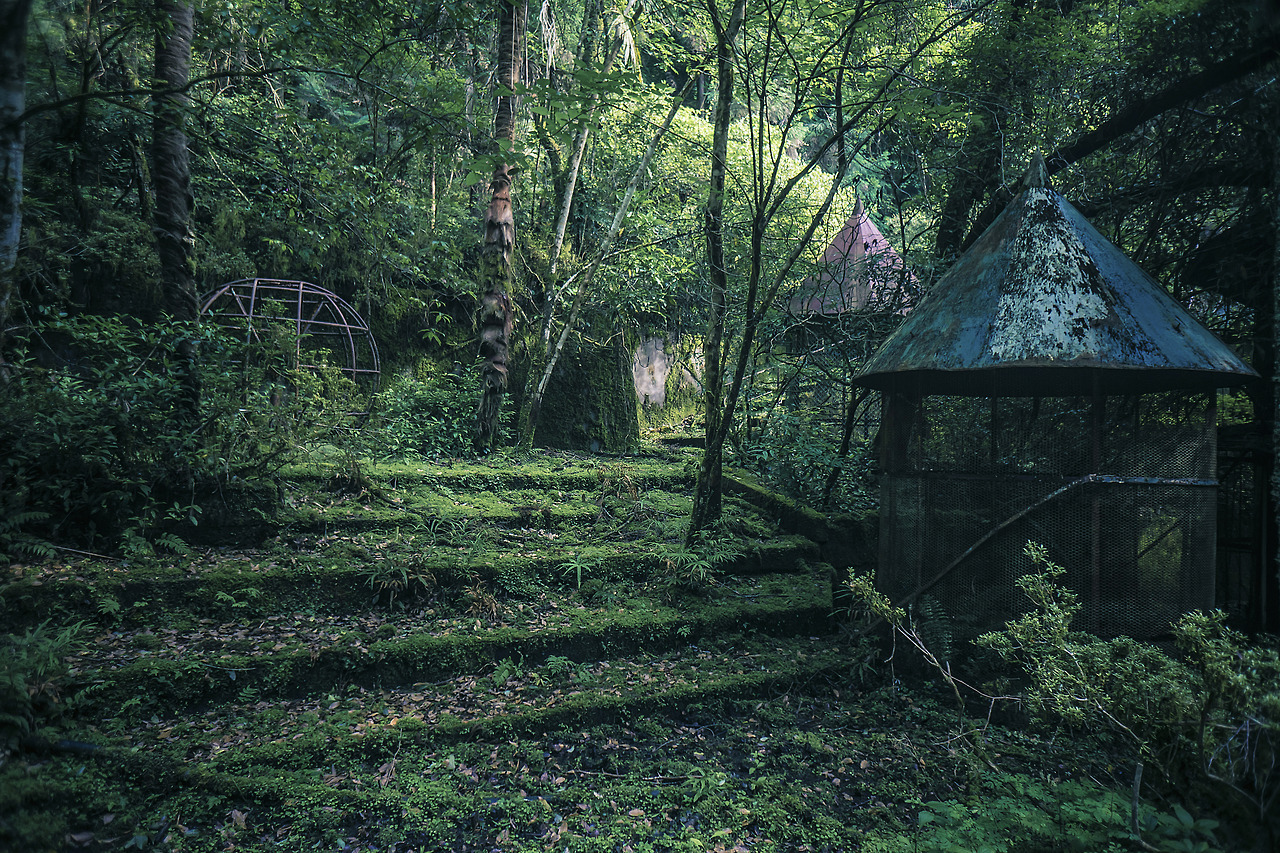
(313, 312)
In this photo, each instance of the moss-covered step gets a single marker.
(450, 517)
(430, 510)
(329, 574)
(297, 655)
(534, 470)
(511, 697)
(845, 541)
(813, 763)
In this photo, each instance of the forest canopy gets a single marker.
(157, 151)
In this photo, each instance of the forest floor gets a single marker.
(507, 655)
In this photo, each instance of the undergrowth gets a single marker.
(101, 445)
(408, 674)
(1197, 730)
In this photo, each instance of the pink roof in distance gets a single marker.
(858, 270)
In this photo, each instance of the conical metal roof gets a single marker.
(858, 270)
(1044, 305)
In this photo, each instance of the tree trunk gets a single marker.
(171, 224)
(497, 315)
(987, 140)
(846, 442)
(13, 79)
(706, 496)
(175, 244)
(584, 282)
(565, 184)
(1268, 607)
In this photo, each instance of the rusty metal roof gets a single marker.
(859, 269)
(1044, 305)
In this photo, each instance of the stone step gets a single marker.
(349, 732)
(342, 573)
(296, 654)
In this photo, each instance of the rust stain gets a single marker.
(1044, 304)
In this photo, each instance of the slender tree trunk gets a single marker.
(706, 500)
(565, 182)
(1269, 605)
(584, 282)
(497, 314)
(175, 243)
(569, 183)
(846, 442)
(14, 15)
(171, 223)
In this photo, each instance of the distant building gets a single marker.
(858, 271)
(839, 314)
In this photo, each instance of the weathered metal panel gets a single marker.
(1043, 304)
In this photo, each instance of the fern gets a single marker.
(934, 627)
(16, 542)
(32, 668)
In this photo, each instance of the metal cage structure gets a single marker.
(1119, 489)
(321, 322)
(1049, 390)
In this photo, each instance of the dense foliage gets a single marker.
(99, 450)
(350, 151)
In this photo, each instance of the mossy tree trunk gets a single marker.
(14, 15)
(1269, 606)
(171, 224)
(707, 493)
(497, 314)
(588, 277)
(175, 243)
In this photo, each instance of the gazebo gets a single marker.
(1048, 389)
(859, 270)
(860, 285)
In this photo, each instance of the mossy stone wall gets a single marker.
(590, 402)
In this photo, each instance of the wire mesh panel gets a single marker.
(1119, 490)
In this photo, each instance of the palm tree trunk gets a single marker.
(497, 315)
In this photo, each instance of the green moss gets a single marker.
(590, 403)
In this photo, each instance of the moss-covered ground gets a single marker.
(512, 655)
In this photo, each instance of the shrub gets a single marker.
(430, 415)
(796, 451)
(32, 667)
(1208, 722)
(106, 447)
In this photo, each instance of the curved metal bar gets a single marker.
(313, 311)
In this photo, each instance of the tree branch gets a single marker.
(1131, 117)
